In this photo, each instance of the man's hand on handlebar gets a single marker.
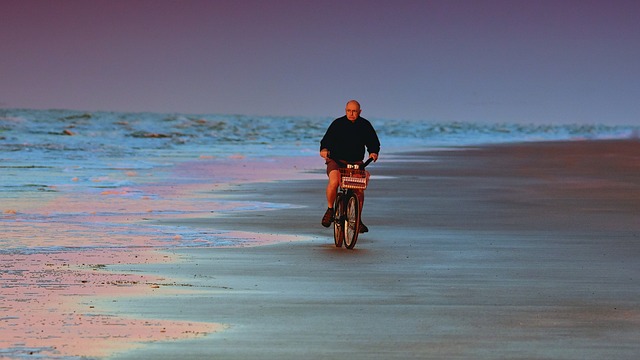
(374, 156)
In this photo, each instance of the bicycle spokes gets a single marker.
(352, 221)
(338, 221)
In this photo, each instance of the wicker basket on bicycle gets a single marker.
(354, 178)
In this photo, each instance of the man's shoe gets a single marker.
(327, 218)
(363, 228)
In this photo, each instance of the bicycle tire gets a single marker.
(352, 221)
(338, 221)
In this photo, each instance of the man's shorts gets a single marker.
(331, 165)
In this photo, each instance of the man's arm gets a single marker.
(327, 141)
(373, 143)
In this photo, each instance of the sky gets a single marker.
(513, 61)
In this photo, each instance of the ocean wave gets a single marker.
(49, 135)
(106, 158)
(115, 128)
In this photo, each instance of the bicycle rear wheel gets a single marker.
(352, 221)
(338, 221)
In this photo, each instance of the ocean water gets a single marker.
(83, 175)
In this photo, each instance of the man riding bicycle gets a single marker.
(346, 140)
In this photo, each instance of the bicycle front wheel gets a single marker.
(352, 222)
(338, 221)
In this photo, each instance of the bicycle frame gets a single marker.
(347, 204)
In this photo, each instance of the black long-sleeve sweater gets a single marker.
(347, 140)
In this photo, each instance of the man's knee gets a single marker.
(334, 177)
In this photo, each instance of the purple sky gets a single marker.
(499, 61)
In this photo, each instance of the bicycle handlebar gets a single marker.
(361, 166)
(364, 165)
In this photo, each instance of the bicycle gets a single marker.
(346, 217)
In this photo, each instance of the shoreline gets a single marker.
(501, 251)
(63, 251)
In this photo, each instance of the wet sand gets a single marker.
(59, 291)
(501, 252)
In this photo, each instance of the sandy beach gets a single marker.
(520, 251)
(525, 251)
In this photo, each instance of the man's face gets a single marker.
(353, 111)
